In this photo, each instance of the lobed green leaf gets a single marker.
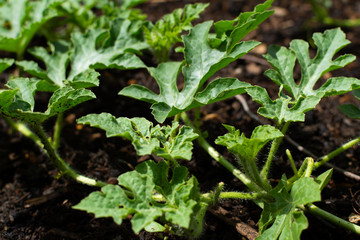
(21, 105)
(286, 219)
(168, 142)
(203, 59)
(202, 62)
(328, 44)
(303, 97)
(123, 37)
(56, 63)
(233, 31)
(248, 148)
(181, 195)
(24, 18)
(282, 109)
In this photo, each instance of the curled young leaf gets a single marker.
(246, 149)
(162, 35)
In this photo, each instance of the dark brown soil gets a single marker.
(34, 204)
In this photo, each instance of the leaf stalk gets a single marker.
(336, 152)
(64, 168)
(24, 130)
(274, 147)
(220, 159)
(314, 210)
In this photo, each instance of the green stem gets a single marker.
(220, 159)
(207, 197)
(252, 171)
(336, 152)
(57, 130)
(300, 172)
(24, 130)
(217, 192)
(314, 210)
(274, 147)
(64, 168)
(309, 167)
(292, 162)
(241, 195)
(177, 117)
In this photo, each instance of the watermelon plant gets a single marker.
(160, 194)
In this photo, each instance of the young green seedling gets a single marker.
(68, 89)
(163, 196)
(204, 55)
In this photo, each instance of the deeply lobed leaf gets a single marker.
(115, 46)
(24, 18)
(328, 44)
(230, 32)
(203, 59)
(168, 142)
(303, 97)
(181, 194)
(56, 63)
(22, 105)
(202, 62)
(282, 109)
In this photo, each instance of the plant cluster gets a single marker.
(162, 196)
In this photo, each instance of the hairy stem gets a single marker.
(336, 152)
(252, 171)
(64, 168)
(220, 159)
(274, 147)
(217, 192)
(314, 210)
